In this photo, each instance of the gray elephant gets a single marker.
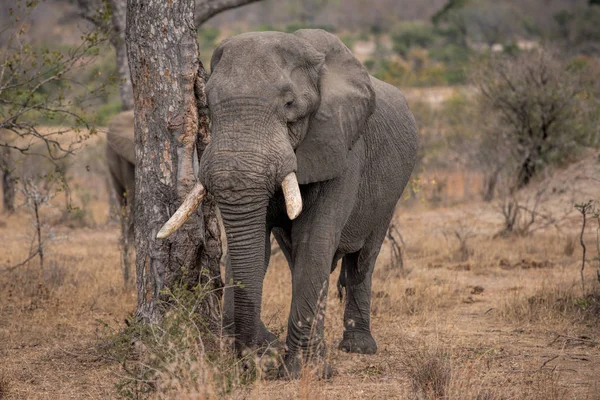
(120, 156)
(306, 145)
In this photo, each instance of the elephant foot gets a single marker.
(294, 366)
(266, 338)
(358, 342)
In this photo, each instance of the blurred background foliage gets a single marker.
(404, 42)
(434, 50)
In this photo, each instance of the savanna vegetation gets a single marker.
(487, 286)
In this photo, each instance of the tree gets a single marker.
(451, 6)
(171, 123)
(39, 84)
(110, 17)
(540, 109)
(8, 180)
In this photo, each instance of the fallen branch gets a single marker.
(572, 338)
(549, 360)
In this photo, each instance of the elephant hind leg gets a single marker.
(357, 271)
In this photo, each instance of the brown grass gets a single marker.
(510, 322)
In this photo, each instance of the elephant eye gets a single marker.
(289, 103)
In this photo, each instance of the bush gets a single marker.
(541, 109)
(180, 356)
(408, 35)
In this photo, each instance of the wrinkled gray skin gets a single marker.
(301, 102)
(120, 156)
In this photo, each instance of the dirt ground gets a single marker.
(506, 315)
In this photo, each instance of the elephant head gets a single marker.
(285, 109)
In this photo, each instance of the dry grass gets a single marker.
(509, 322)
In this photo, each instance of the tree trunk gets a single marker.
(490, 184)
(119, 18)
(170, 113)
(8, 181)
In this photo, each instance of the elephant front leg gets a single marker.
(305, 338)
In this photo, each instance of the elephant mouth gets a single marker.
(289, 186)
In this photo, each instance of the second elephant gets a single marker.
(120, 157)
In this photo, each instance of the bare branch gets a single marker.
(206, 9)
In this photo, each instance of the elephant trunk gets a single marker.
(245, 228)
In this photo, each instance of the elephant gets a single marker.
(308, 146)
(120, 157)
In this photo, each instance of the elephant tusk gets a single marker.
(291, 193)
(189, 205)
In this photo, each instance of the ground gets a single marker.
(504, 316)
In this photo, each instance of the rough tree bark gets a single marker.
(170, 124)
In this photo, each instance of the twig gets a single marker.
(567, 337)
(583, 209)
(549, 360)
(397, 254)
(10, 269)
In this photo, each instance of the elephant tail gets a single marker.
(341, 283)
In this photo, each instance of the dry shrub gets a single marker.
(438, 372)
(429, 370)
(462, 231)
(179, 357)
(33, 284)
(549, 304)
(545, 385)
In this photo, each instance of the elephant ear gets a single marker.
(120, 136)
(347, 102)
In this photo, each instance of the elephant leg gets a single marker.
(312, 257)
(128, 232)
(285, 243)
(306, 322)
(358, 270)
(357, 330)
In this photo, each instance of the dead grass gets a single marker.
(429, 369)
(509, 322)
(551, 305)
(4, 385)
